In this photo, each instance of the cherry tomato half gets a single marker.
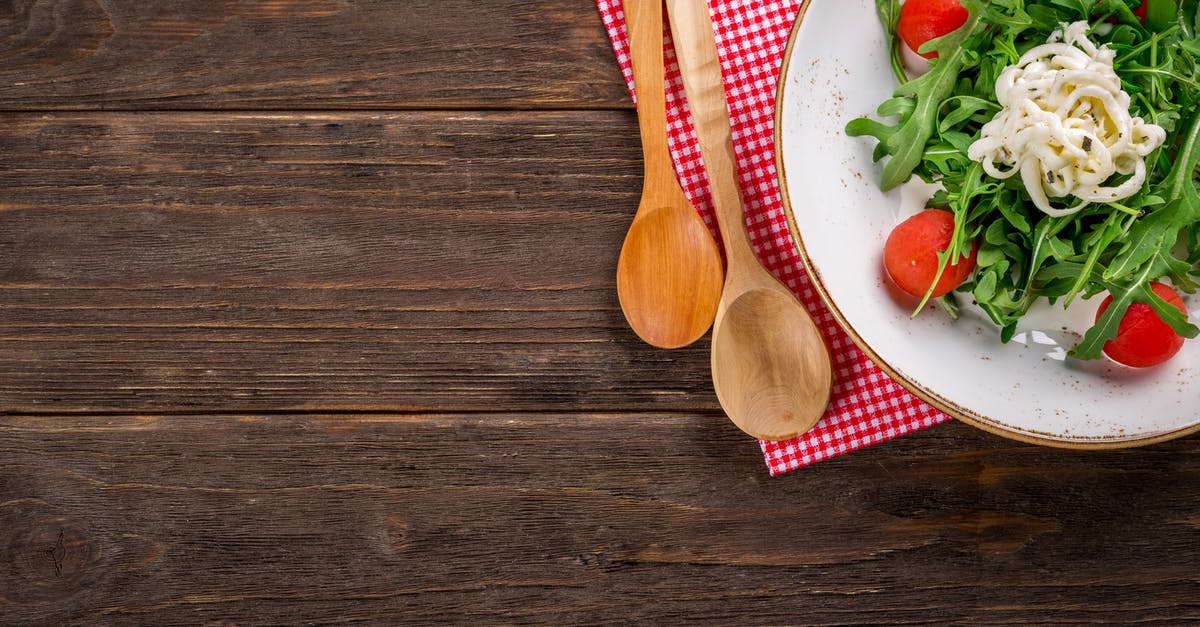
(910, 254)
(1143, 339)
(922, 20)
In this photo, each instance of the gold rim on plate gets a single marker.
(960, 413)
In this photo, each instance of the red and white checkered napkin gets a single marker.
(866, 406)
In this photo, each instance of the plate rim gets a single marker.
(949, 408)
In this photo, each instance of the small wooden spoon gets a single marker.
(770, 366)
(669, 273)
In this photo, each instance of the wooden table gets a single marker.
(307, 314)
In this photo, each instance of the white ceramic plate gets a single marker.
(836, 69)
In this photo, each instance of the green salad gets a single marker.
(1078, 230)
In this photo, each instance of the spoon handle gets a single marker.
(696, 52)
(644, 21)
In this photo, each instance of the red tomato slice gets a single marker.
(1143, 339)
(910, 254)
(922, 20)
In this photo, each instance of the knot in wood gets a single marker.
(50, 558)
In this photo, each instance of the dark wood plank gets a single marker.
(363, 261)
(303, 54)
(579, 518)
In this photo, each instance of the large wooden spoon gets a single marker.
(770, 366)
(669, 273)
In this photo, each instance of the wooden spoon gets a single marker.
(669, 273)
(770, 366)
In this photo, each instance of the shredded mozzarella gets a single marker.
(1065, 125)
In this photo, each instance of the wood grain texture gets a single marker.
(578, 518)
(305, 54)
(260, 365)
(342, 261)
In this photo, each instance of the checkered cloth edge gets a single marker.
(866, 406)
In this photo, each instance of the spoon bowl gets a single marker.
(767, 371)
(669, 273)
(669, 304)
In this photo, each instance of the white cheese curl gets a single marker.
(1065, 125)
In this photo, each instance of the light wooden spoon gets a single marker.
(770, 366)
(669, 273)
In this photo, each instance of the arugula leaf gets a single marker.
(1147, 237)
(889, 16)
(905, 141)
(1108, 232)
(965, 107)
(1168, 313)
